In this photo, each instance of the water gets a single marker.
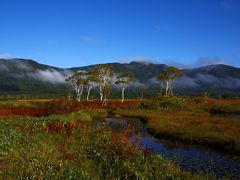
(228, 116)
(191, 158)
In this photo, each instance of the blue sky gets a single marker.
(69, 33)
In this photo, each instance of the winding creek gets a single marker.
(191, 158)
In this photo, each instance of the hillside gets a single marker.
(22, 76)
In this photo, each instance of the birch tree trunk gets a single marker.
(123, 90)
(101, 92)
(79, 91)
(88, 92)
(167, 88)
(104, 102)
(170, 88)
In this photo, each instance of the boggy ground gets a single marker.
(191, 121)
(54, 140)
(46, 108)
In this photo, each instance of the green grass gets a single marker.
(28, 151)
(196, 127)
(15, 103)
(66, 146)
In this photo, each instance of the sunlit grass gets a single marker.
(191, 127)
(54, 139)
(67, 147)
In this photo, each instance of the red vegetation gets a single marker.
(30, 127)
(147, 152)
(212, 102)
(69, 156)
(56, 127)
(62, 107)
(59, 127)
(124, 139)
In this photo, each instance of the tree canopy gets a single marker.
(168, 76)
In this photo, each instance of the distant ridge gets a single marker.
(28, 76)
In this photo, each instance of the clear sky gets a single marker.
(68, 33)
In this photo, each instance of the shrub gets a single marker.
(166, 103)
(81, 116)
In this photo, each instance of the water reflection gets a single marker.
(227, 116)
(188, 157)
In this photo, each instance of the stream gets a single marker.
(228, 116)
(192, 158)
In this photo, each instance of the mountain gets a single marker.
(143, 72)
(27, 77)
(22, 76)
(215, 79)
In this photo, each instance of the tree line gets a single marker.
(103, 77)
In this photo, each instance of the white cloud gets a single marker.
(21, 64)
(185, 81)
(49, 75)
(204, 61)
(208, 81)
(137, 59)
(137, 84)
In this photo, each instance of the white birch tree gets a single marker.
(123, 80)
(168, 77)
(91, 82)
(103, 75)
(78, 80)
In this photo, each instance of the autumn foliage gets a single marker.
(62, 107)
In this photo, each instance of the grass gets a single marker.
(67, 147)
(191, 124)
(221, 108)
(15, 103)
(54, 139)
(60, 107)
